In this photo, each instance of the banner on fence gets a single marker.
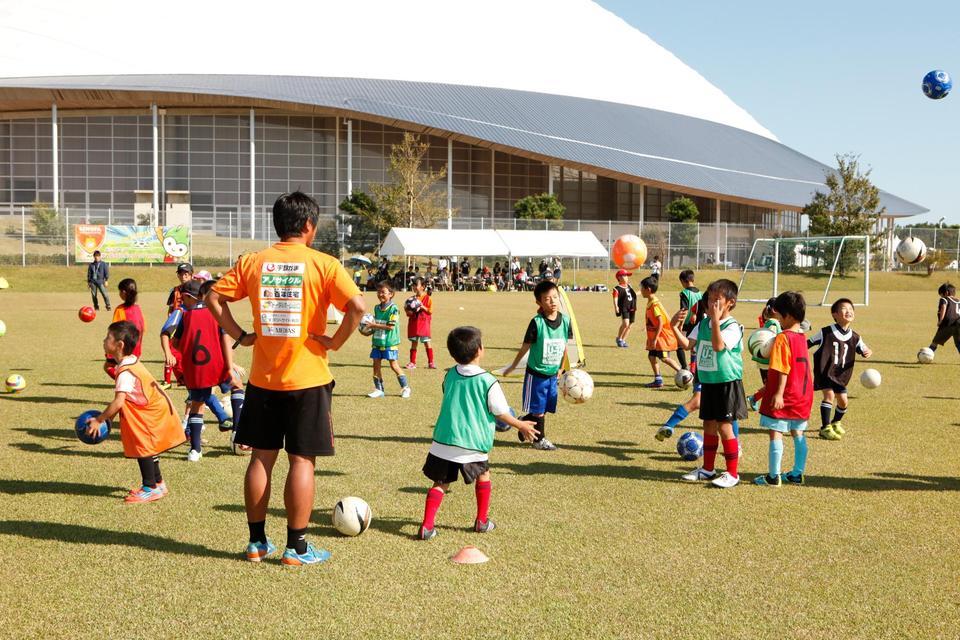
(128, 244)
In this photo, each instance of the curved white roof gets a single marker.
(561, 47)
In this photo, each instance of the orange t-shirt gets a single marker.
(656, 314)
(290, 287)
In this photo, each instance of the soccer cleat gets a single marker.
(226, 425)
(376, 393)
(620, 342)
(411, 365)
(767, 481)
(143, 494)
(698, 475)
(838, 429)
(663, 433)
(194, 455)
(544, 445)
(165, 385)
(792, 478)
(725, 481)
(754, 403)
(311, 556)
(427, 534)
(257, 551)
(405, 393)
(162, 488)
(654, 385)
(432, 365)
(484, 527)
(827, 433)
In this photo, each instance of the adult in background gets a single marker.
(288, 398)
(557, 267)
(98, 277)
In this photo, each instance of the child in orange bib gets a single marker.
(148, 423)
(661, 339)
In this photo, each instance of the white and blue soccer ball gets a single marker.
(364, 327)
(937, 84)
(690, 446)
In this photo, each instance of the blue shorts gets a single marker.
(783, 425)
(384, 354)
(539, 394)
(199, 395)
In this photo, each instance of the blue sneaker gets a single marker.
(768, 481)
(257, 551)
(312, 556)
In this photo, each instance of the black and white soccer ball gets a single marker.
(351, 516)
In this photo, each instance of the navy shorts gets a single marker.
(539, 393)
(199, 395)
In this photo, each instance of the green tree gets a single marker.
(683, 234)
(540, 206)
(48, 226)
(682, 209)
(410, 198)
(361, 233)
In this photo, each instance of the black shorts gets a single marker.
(723, 401)
(820, 384)
(656, 354)
(298, 421)
(628, 315)
(445, 471)
(946, 332)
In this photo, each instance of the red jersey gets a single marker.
(203, 363)
(133, 314)
(420, 320)
(789, 357)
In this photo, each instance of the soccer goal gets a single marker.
(822, 268)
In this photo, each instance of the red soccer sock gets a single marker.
(429, 354)
(731, 453)
(167, 373)
(413, 355)
(710, 445)
(483, 500)
(434, 498)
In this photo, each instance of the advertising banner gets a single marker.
(131, 245)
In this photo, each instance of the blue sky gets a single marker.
(832, 77)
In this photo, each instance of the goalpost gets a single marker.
(814, 266)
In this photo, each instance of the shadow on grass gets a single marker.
(402, 439)
(615, 452)
(940, 398)
(626, 472)
(615, 373)
(19, 397)
(888, 482)
(914, 363)
(651, 405)
(32, 447)
(84, 386)
(53, 434)
(396, 526)
(319, 520)
(19, 487)
(79, 534)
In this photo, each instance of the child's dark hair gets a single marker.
(385, 284)
(291, 212)
(464, 343)
(544, 286)
(205, 288)
(835, 307)
(96, 254)
(128, 286)
(768, 308)
(947, 289)
(791, 303)
(420, 280)
(726, 288)
(686, 276)
(126, 332)
(651, 282)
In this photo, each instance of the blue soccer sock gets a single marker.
(214, 403)
(736, 429)
(402, 379)
(799, 454)
(378, 384)
(679, 415)
(237, 397)
(775, 457)
(195, 427)
(658, 378)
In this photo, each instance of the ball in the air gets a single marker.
(364, 327)
(3, 329)
(576, 386)
(87, 314)
(870, 378)
(911, 251)
(628, 252)
(760, 343)
(15, 383)
(351, 516)
(925, 355)
(690, 446)
(81, 427)
(683, 379)
(937, 84)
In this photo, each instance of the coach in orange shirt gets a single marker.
(288, 400)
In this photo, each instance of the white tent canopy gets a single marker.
(402, 241)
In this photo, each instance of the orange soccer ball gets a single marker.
(629, 252)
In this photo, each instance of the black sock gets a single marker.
(682, 358)
(257, 531)
(838, 416)
(297, 539)
(237, 397)
(158, 478)
(146, 472)
(825, 409)
(933, 346)
(541, 427)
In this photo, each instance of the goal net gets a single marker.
(822, 268)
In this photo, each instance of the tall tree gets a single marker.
(410, 197)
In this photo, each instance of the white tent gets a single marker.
(564, 244)
(402, 241)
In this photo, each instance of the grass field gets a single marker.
(599, 539)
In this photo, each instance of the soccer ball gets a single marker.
(87, 314)
(690, 446)
(760, 343)
(870, 378)
(628, 252)
(227, 406)
(503, 426)
(81, 426)
(937, 84)
(351, 516)
(3, 329)
(683, 379)
(16, 383)
(364, 327)
(236, 448)
(911, 251)
(805, 326)
(4, 284)
(412, 304)
(576, 386)
(925, 355)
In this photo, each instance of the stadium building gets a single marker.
(196, 107)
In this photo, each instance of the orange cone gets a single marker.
(469, 555)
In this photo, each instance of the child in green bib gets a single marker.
(386, 341)
(473, 403)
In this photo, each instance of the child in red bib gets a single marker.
(420, 314)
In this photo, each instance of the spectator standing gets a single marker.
(98, 276)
